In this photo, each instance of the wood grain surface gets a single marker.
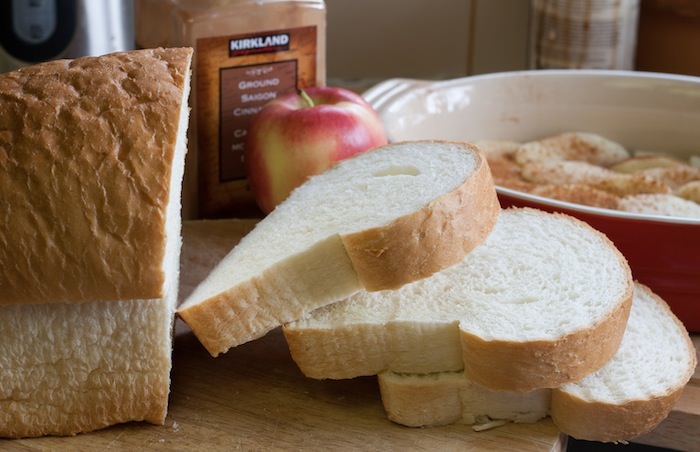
(254, 398)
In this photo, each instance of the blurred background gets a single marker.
(368, 41)
(452, 38)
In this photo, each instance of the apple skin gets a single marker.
(290, 140)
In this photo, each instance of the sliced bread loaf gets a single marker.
(91, 162)
(377, 221)
(626, 398)
(541, 302)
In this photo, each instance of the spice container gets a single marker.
(247, 52)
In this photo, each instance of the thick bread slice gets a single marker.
(636, 390)
(91, 162)
(626, 398)
(379, 220)
(542, 301)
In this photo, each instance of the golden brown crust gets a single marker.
(84, 181)
(596, 421)
(508, 365)
(438, 235)
(211, 321)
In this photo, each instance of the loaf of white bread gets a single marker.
(377, 221)
(626, 398)
(542, 302)
(91, 163)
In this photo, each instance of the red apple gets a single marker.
(305, 133)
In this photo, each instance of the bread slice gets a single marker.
(582, 146)
(565, 172)
(644, 162)
(660, 204)
(577, 193)
(626, 398)
(91, 163)
(542, 301)
(690, 191)
(377, 221)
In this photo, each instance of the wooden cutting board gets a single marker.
(255, 398)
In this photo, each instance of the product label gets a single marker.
(258, 44)
(244, 92)
(235, 76)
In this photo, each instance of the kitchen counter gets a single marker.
(255, 398)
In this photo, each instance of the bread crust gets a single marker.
(435, 237)
(77, 138)
(596, 421)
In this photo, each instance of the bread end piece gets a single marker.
(597, 421)
(85, 355)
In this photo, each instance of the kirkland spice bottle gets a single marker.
(247, 53)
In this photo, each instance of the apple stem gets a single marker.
(307, 99)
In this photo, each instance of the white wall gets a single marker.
(371, 40)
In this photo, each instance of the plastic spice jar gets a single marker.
(247, 52)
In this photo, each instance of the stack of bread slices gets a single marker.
(400, 263)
